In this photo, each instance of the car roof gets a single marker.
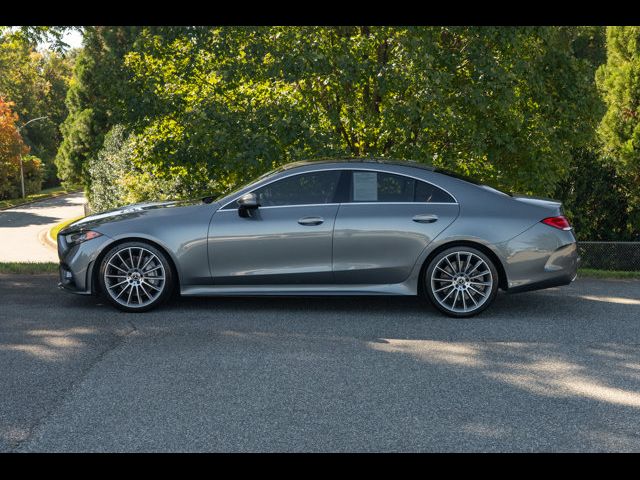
(389, 161)
(382, 161)
(374, 160)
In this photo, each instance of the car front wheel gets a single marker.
(135, 276)
(461, 281)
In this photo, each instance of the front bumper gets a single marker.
(68, 282)
(77, 263)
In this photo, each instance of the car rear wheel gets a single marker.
(461, 281)
(135, 276)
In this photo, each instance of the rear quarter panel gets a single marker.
(491, 219)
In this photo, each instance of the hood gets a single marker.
(127, 212)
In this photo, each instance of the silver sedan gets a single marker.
(358, 227)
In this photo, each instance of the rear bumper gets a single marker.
(549, 283)
(541, 257)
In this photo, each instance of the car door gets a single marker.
(385, 225)
(286, 240)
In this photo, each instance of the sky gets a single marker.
(73, 38)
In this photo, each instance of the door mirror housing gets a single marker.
(247, 203)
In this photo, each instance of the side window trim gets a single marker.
(346, 172)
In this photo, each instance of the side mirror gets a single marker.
(247, 203)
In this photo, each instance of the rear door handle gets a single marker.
(425, 218)
(311, 220)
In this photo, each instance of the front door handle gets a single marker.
(311, 220)
(425, 218)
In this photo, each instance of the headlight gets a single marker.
(79, 237)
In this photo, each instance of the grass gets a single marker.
(593, 273)
(46, 193)
(54, 230)
(28, 268)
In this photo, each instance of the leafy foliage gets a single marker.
(97, 99)
(216, 106)
(108, 170)
(197, 110)
(34, 35)
(596, 198)
(36, 82)
(11, 148)
(619, 81)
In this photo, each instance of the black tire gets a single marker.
(145, 287)
(458, 281)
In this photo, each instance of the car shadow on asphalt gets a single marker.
(545, 304)
(525, 303)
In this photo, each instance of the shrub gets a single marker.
(107, 171)
(33, 174)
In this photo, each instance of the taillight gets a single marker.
(559, 222)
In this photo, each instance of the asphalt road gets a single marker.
(556, 370)
(22, 228)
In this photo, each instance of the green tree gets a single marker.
(97, 99)
(507, 105)
(109, 169)
(594, 195)
(596, 198)
(36, 82)
(210, 107)
(619, 82)
(34, 35)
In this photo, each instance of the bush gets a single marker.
(596, 198)
(118, 177)
(50, 174)
(8, 189)
(10, 184)
(107, 171)
(33, 174)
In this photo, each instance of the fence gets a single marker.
(623, 256)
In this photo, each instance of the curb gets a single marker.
(39, 200)
(48, 239)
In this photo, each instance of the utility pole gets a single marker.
(21, 165)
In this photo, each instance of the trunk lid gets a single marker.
(553, 206)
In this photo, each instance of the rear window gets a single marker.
(470, 179)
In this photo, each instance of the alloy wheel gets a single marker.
(461, 282)
(134, 277)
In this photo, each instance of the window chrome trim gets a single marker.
(399, 203)
(291, 206)
(346, 203)
(455, 200)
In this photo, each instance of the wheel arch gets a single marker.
(502, 274)
(95, 271)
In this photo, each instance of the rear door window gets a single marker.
(382, 187)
